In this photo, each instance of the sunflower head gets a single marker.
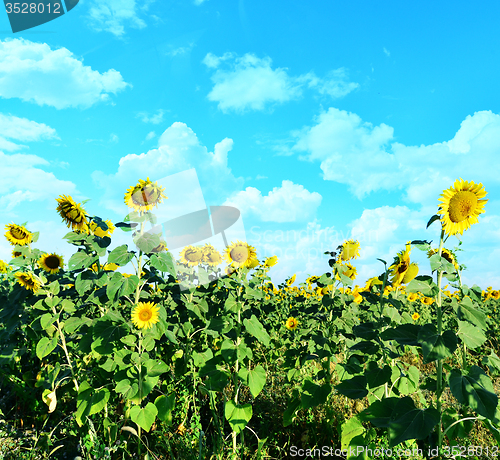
(271, 261)
(461, 205)
(427, 300)
(144, 195)
(445, 254)
(211, 256)
(350, 250)
(415, 316)
(145, 314)
(73, 214)
(162, 247)
(410, 273)
(240, 254)
(27, 280)
(291, 323)
(400, 266)
(191, 256)
(17, 234)
(412, 296)
(4, 267)
(96, 230)
(51, 263)
(291, 280)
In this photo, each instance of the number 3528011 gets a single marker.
(32, 8)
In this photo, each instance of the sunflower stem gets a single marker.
(439, 362)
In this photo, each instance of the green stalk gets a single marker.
(439, 362)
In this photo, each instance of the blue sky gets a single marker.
(319, 122)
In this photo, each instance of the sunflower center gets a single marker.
(52, 262)
(145, 315)
(146, 195)
(194, 256)
(403, 266)
(462, 205)
(18, 233)
(239, 254)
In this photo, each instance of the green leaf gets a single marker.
(254, 327)
(415, 424)
(354, 388)
(471, 335)
(405, 334)
(350, 429)
(47, 319)
(435, 346)
(90, 401)
(163, 262)
(423, 284)
(120, 255)
(79, 260)
(256, 379)
(380, 413)
(474, 389)
(156, 367)
(238, 415)
(313, 395)
(165, 406)
(144, 416)
(493, 363)
(406, 382)
(46, 346)
(376, 376)
(423, 245)
(73, 323)
(433, 219)
(467, 312)
(147, 241)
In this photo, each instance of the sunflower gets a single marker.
(145, 314)
(27, 280)
(415, 316)
(427, 300)
(374, 281)
(350, 250)
(240, 254)
(160, 248)
(410, 273)
(17, 234)
(349, 271)
(291, 280)
(51, 263)
(400, 266)
(412, 297)
(461, 205)
(98, 231)
(495, 294)
(144, 195)
(4, 267)
(229, 270)
(291, 323)
(271, 261)
(445, 254)
(72, 213)
(253, 263)
(16, 254)
(211, 256)
(191, 256)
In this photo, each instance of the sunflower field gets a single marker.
(205, 358)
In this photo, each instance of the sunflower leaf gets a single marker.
(433, 219)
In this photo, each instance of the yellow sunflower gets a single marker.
(51, 263)
(145, 314)
(4, 267)
(191, 256)
(16, 254)
(17, 234)
(73, 214)
(160, 248)
(410, 273)
(253, 263)
(240, 254)
(495, 294)
(374, 281)
(211, 256)
(27, 280)
(461, 205)
(400, 266)
(412, 297)
(271, 261)
(98, 231)
(445, 254)
(415, 316)
(291, 280)
(350, 250)
(349, 271)
(291, 323)
(144, 195)
(427, 300)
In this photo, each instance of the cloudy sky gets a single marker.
(319, 121)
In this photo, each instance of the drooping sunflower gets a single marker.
(291, 323)
(72, 213)
(211, 256)
(4, 267)
(400, 266)
(240, 254)
(350, 250)
(410, 273)
(17, 234)
(291, 280)
(93, 228)
(160, 248)
(445, 254)
(461, 205)
(145, 314)
(271, 261)
(145, 195)
(191, 256)
(51, 263)
(27, 280)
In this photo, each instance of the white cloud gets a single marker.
(113, 138)
(155, 119)
(288, 203)
(34, 72)
(250, 83)
(198, 2)
(178, 150)
(387, 52)
(22, 129)
(363, 156)
(150, 135)
(114, 15)
(259, 177)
